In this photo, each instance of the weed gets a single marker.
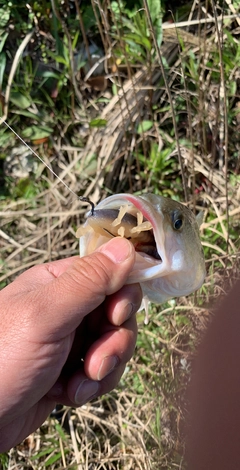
(87, 91)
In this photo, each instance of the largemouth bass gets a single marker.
(165, 233)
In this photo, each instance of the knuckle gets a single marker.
(94, 269)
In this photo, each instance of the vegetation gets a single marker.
(120, 97)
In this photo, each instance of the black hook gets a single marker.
(86, 199)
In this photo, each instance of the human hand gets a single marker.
(52, 317)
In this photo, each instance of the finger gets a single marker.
(124, 303)
(65, 301)
(113, 348)
(102, 367)
(114, 311)
(80, 389)
(95, 326)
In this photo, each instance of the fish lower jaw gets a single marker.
(147, 268)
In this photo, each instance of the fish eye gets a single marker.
(178, 224)
(177, 220)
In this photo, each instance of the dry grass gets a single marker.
(138, 426)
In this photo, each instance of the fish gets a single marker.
(165, 234)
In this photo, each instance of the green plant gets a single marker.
(131, 30)
(4, 461)
(161, 167)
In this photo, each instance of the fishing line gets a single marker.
(80, 198)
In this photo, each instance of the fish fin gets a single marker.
(145, 306)
(145, 302)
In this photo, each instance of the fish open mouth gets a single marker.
(136, 219)
(127, 221)
(169, 261)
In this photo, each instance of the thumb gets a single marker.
(67, 299)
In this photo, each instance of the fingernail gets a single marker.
(86, 390)
(118, 249)
(109, 363)
(128, 312)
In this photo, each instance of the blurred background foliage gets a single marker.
(114, 96)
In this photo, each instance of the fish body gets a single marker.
(165, 233)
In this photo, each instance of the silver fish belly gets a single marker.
(165, 233)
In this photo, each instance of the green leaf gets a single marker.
(75, 40)
(22, 112)
(144, 126)
(135, 38)
(3, 39)
(36, 132)
(2, 67)
(58, 58)
(20, 100)
(61, 60)
(156, 15)
(232, 88)
(4, 16)
(53, 459)
(4, 457)
(114, 89)
(89, 19)
(60, 431)
(50, 74)
(98, 122)
(25, 188)
(155, 9)
(158, 31)
(44, 452)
